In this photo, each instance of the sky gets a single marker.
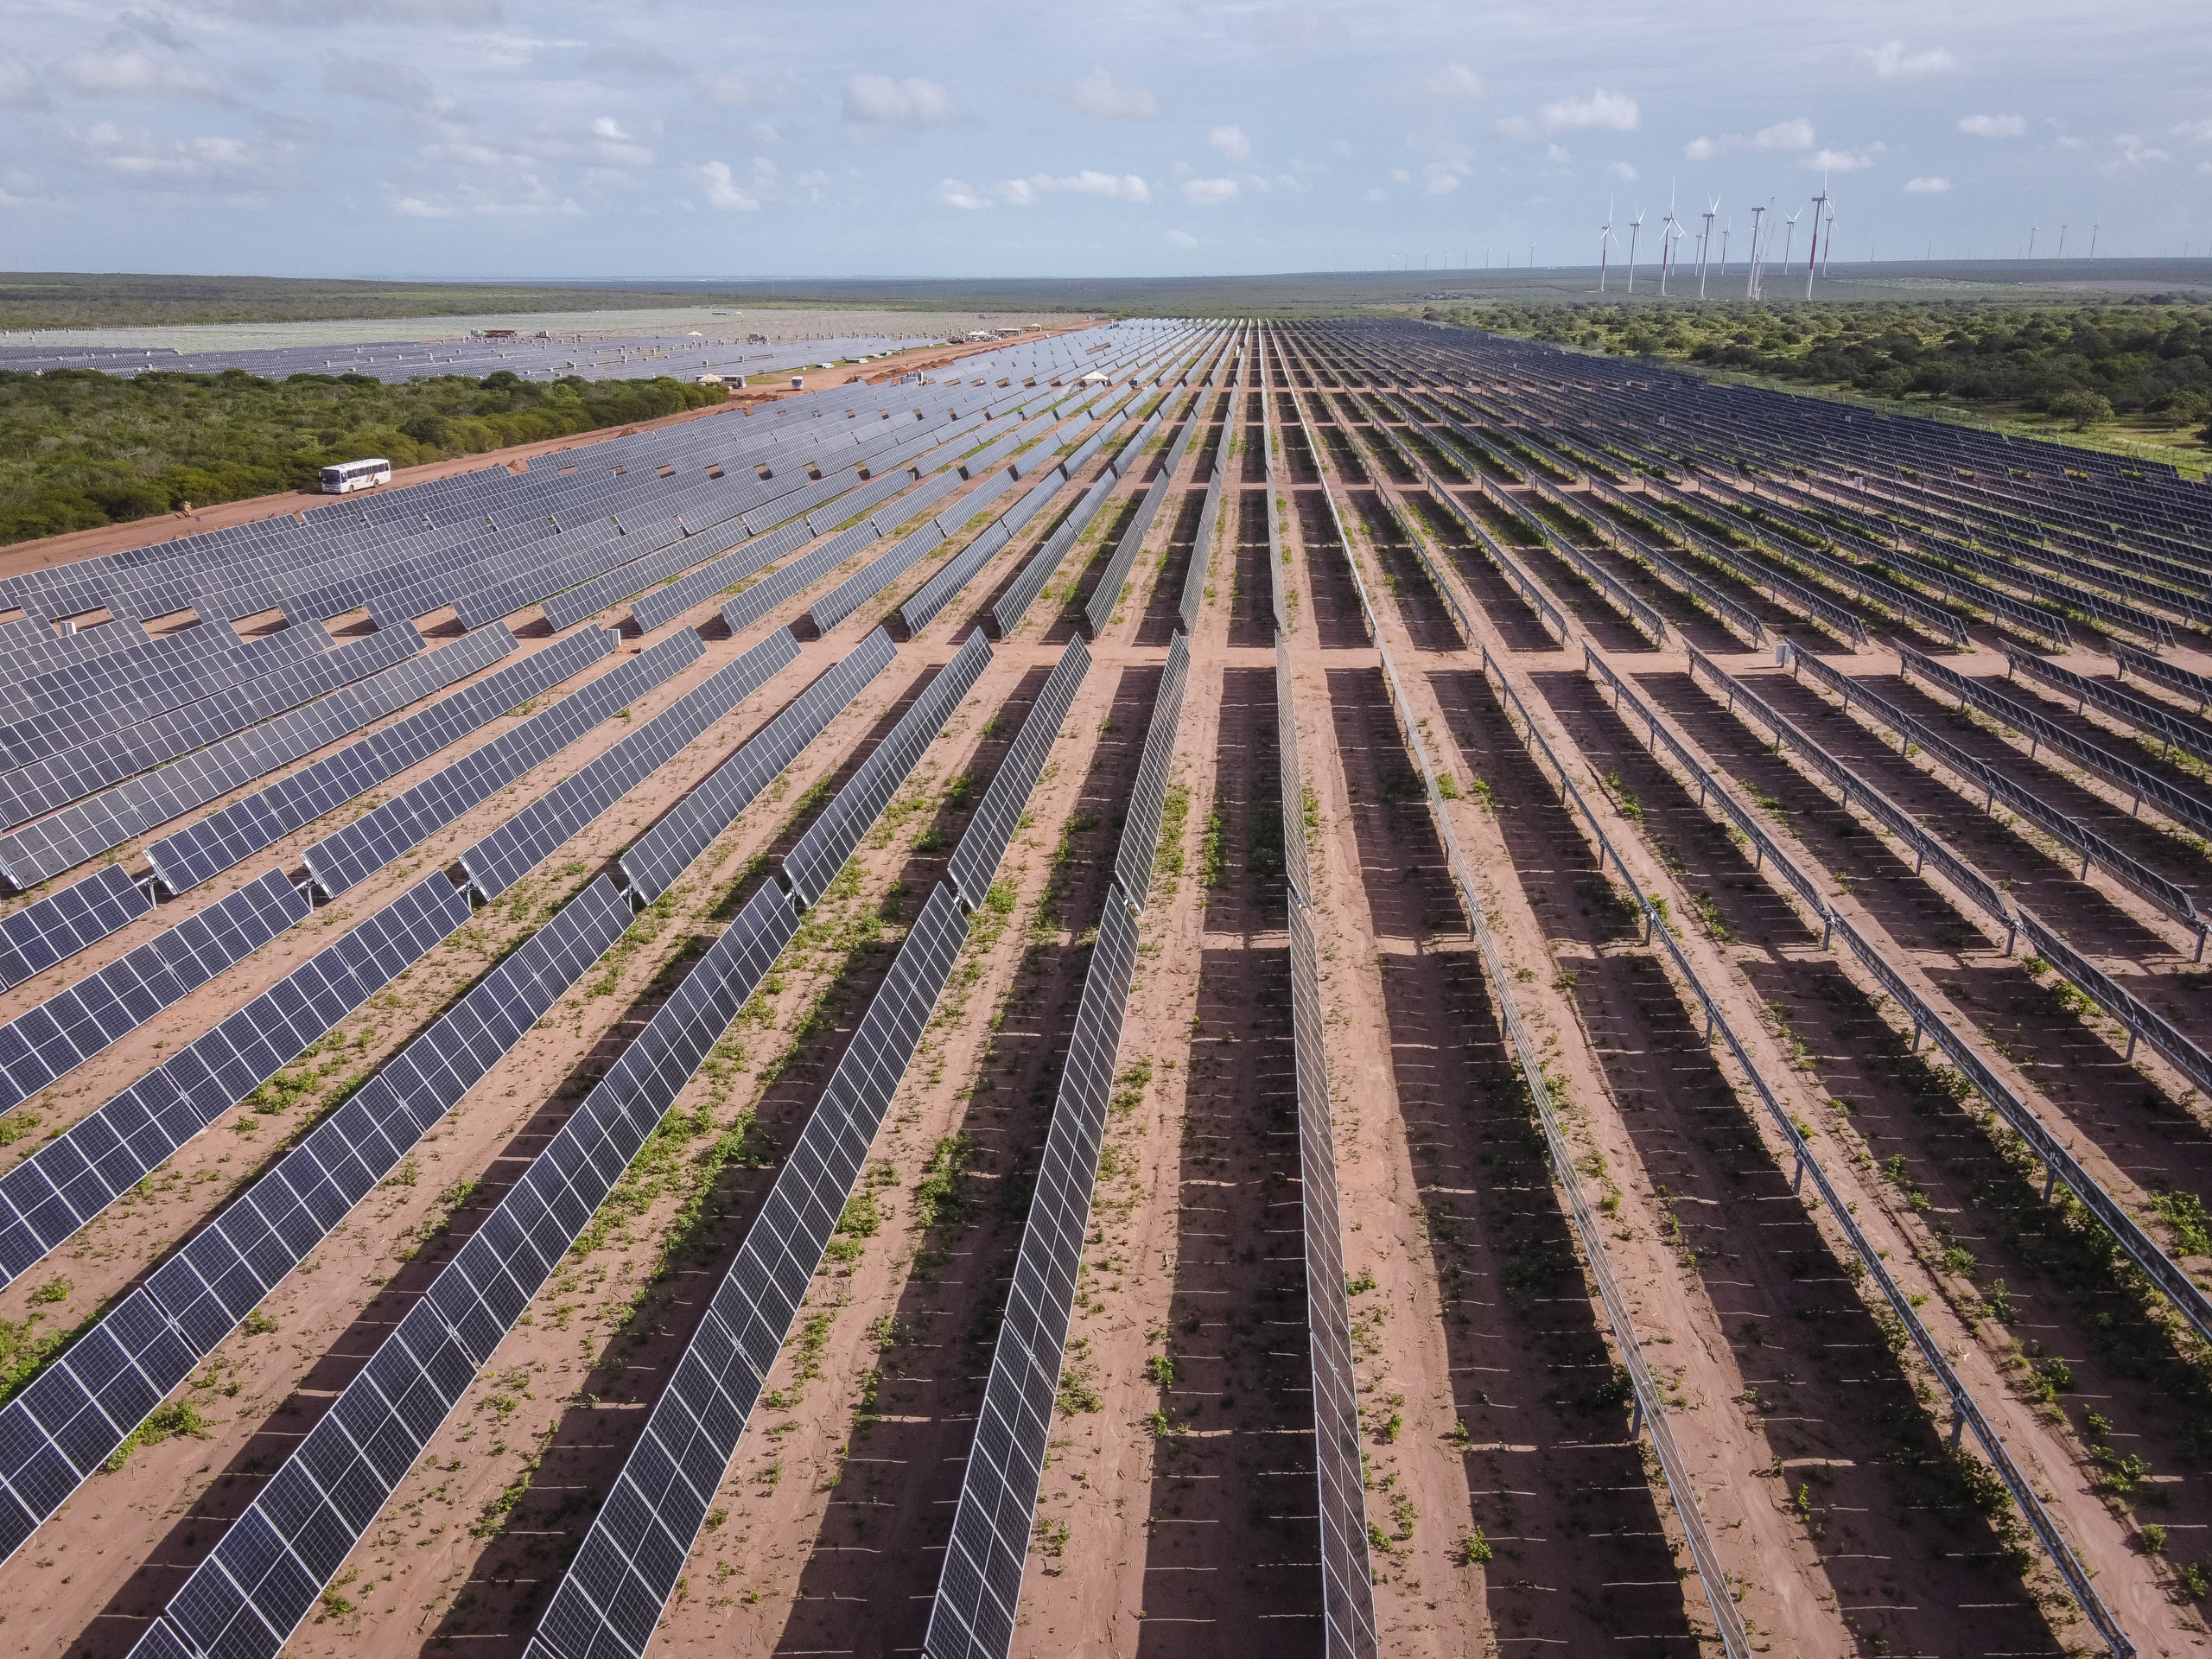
(498, 139)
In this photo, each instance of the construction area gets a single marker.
(1199, 989)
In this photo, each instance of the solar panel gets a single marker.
(1022, 591)
(64, 1184)
(1293, 783)
(1347, 1581)
(611, 1598)
(1194, 578)
(385, 831)
(652, 863)
(195, 1298)
(502, 858)
(57, 927)
(873, 577)
(976, 859)
(46, 1043)
(1107, 593)
(664, 604)
(796, 577)
(1133, 860)
(192, 855)
(264, 1575)
(979, 1589)
(108, 819)
(811, 865)
(934, 594)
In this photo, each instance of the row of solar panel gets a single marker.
(983, 844)
(77, 1411)
(263, 1575)
(502, 858)
(290, 1211)
(664, 604)
(386, 831)
(108, 819)
(48, 1042)
(610, 1600)
(225, 839)
(46, 1197)
(58, 926)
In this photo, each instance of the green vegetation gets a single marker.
(79, 448)
(2055, 369)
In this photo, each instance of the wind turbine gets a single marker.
(1705, 243)
(1812, 253)
(2093, 238)
(1791, 241)
(1605, 244)
(1751, 271)
(1668, 226)
(1827, 250)
(2062, 241)
(1634, 225)
(2032, 229)
(1727, 225)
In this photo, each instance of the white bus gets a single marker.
(355, 475)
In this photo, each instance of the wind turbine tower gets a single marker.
(2062, 241)
(1668, 227)
(1751, 274)
(1705, 243)
(1605, 246)
(1634, 225)
(1812, 253)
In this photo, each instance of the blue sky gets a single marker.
(490, 139)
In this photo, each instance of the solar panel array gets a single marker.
(53, 782)
(610, 1600)
(796, 577)
(664, 604)
(873, 577)
(1029, 581)
(2175, 802)
(1296, 867)
(275, 1557)
(653, 861)
(1107, 593)
(1133, 860)
(829, 842)
(60, 1187)
(48, 1042)
(964, 509)
(502, 858)
(216, 843)
(58, 926)
(984, 842)
(43, 723)
(110, 818)
(1194, 579)
(937, 592)
(380, 835)
(1347, 1581)
(979, 1590)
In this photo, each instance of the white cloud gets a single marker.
(1844, 161)
(1557, 155)
(2189, 132)
(616, 148)
(1929, 186)
(1602, 111)
(1182, 238)
(746, 92)
(321, 13)
(1891, 61)
(1098, 93)
(1231, 142)
(953, 193)
(1454, 84)
(1796, 134)
(134, 74)
(2069, 142)
(1208, 192)
(1121, 186)
(1622, 171)
(19, 88)
(1993, 126)
(879, 101)
(1377, 193)
(399, 84)
(1343, 148)
(224, 164)
(2133, 152)
(722, 192)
